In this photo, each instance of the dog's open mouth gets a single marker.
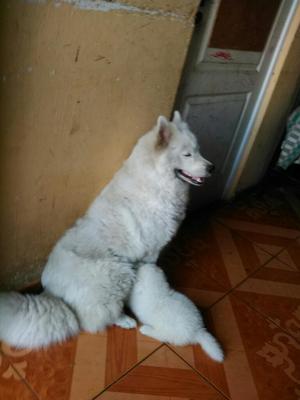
(186, 177)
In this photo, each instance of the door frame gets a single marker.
(278, 44)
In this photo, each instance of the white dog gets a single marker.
(167, 315)
(92, 268)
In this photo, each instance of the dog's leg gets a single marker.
(124, 321)
(95, 319)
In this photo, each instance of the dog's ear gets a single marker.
(163, 132)
(177, 118)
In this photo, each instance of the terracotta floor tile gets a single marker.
(135, 396)
(262, 361)
(203, 298)
(269, 238)
(48, 372)
(82, 367)
(187, 277)
(101, 359)
(267, 206)
(291, 255)
(258, 323)
(88, 376)
(165, 358)
(266, 219)
(145, 345)
(12, 386)
(162, 376)
(275, 292)
(210, 258)
(193, 281)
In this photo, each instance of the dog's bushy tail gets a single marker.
(210, 345)
(35, 320)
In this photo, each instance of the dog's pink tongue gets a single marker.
(196, 178)
(200, 180)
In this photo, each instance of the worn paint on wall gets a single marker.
(164, 8)
(104, 6)
(77, 88)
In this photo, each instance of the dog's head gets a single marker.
(177, 149)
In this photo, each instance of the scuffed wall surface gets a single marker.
(77, 88)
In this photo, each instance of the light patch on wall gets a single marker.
(107, 6)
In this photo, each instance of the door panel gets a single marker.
(216, 117)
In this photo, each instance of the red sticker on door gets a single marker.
(223, 55)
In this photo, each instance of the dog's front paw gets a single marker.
(126, 322)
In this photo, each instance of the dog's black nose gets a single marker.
(211, 168)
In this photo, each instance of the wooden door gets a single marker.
(222, 73)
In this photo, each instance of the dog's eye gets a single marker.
(187, 155)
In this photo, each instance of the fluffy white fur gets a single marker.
(35, 320)
(92, 268)
(167, 315)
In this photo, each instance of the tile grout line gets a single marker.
(245, 238)
(264, 316)
(220, 222)
(23, 380)
(126, 372)
(234, 288)
(281, 251)
(241, 282)
(272, 256)
(227, 292)
(257, 244)
(198, 372)
(251, 273)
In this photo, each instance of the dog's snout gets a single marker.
(210, 168)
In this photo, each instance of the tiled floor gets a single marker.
(242, 266)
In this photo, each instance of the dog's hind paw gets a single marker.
(151, 332)
(126, 322)
(147, 330)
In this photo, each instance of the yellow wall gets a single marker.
(77, 88)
